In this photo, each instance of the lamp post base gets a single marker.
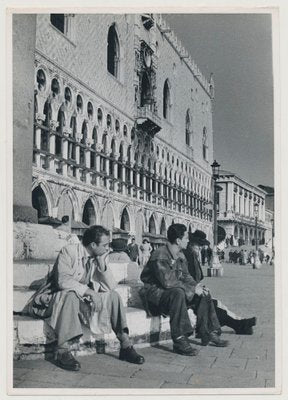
(215, 272)
(257, 263)
(216, 268)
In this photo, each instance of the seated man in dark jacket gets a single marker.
(169, 289)
(242, 326)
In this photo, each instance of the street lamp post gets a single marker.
(215, 269)
(257, 263)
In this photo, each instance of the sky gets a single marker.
(237, 49)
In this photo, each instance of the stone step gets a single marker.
(29, 273)
(33, 338)
(128, 293)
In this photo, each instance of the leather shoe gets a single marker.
(67, 361)
(216, 341)
(129, 354)
(183, 347)
(246, 326)
(214, 338)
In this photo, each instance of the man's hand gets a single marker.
(199, 290)
(96, 301)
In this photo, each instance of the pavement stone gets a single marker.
(248, 361)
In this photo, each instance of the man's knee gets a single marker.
(177, 293)
(72, 298)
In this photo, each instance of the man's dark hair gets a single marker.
(175, 231)
(94, 234)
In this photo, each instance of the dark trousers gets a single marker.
(173, 303)
(207, 319)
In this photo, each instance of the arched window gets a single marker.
(166, 101)
(59, 129)
(125, 221)
(204, 144)
(152, 225)
(113, 52)
(89, 216)
(39, 202)
(93, 148)
(146, 97)
(58, 20)
(188, 128)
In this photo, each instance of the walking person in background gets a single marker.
(146, 250)
(133, 250)
(242, 326)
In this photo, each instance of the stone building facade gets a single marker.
(123, 124)
(236, 209)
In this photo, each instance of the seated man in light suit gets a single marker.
(82, 285)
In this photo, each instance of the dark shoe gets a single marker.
(183, 347)
(246, 326)
(216, 341)
(67, 361)
(131, 356)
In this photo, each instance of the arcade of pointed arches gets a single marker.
(89, 211)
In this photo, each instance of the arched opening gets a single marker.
(166, 101)
(93, 148)
(65, 207)
(125, 221)
(146, 97)
(163, 230)
(152, 225)
(58, 139)
(71, 143)
(89, 216)
(113, 52)
(39, 202)
(44, 144)
(83, 141)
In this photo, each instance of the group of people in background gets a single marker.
(244, 256)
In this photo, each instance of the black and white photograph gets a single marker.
(143, 230)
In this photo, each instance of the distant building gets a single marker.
(269, 214)
(236, 199)
(123, 125)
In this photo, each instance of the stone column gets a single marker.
(39, 119)
(24, 35)
(65, 156)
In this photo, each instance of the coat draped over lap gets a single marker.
(66, 276)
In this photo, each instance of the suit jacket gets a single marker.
(163, 272)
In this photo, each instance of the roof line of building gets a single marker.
(232, 174)
(175, 42)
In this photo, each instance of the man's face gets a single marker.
(195, 248)
(102, 247)
(182, 243)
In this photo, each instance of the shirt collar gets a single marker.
(171, 250)
(85, 253)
